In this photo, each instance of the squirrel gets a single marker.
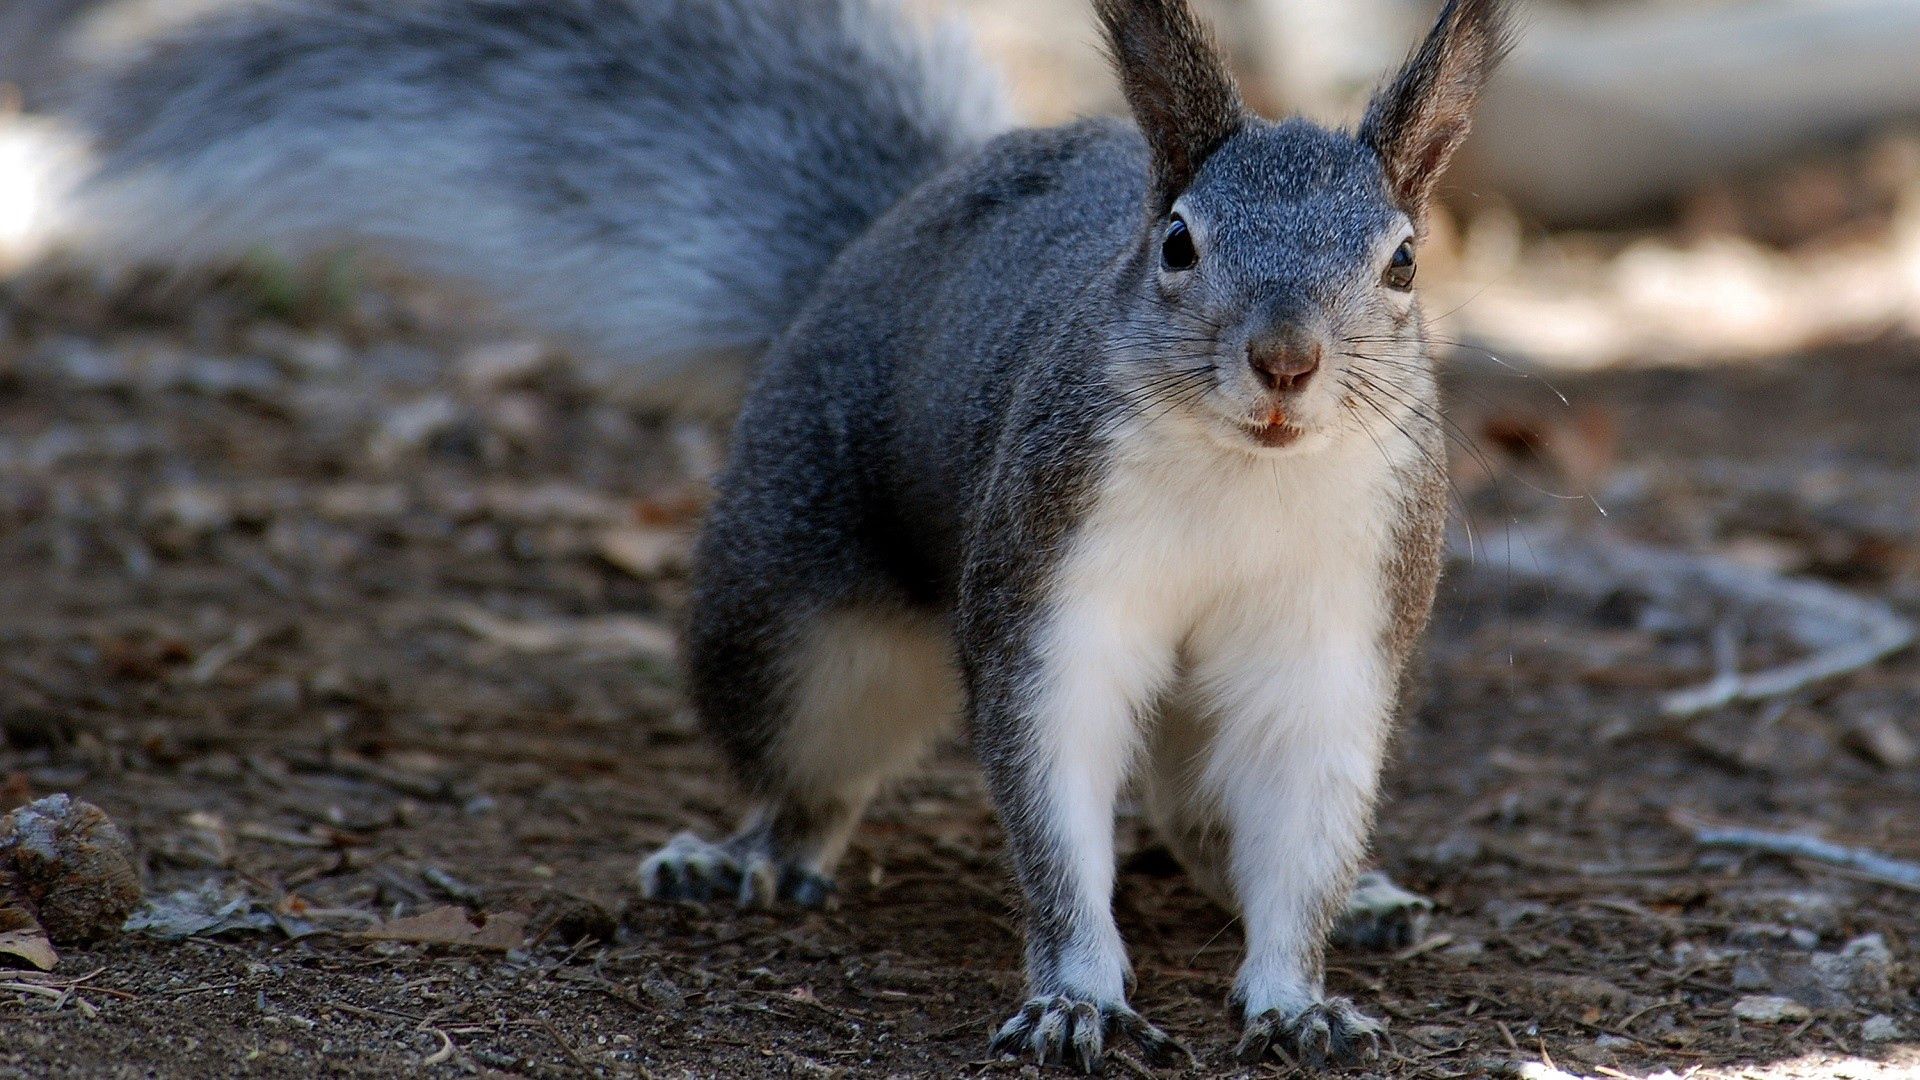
(1117, 440)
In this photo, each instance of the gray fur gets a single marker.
(930, 440)
(661, 180)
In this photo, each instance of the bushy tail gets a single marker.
(660, 180)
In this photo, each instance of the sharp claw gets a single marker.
(1155, 1045)
(1050, 1037)
(1006, 1041)
(808, 890)
(677, 886)
(1085, 1035)
(689, 868)
(1073, 1032)
(1330, 1032)
(1252, 1048)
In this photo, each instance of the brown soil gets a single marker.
(238, 562)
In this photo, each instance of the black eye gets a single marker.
(1176, 247)
(1399, 271)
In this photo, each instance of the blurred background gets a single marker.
(1650, 181)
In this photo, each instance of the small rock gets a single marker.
(1761, 1009)
(645, 551)
(70, 865)
(408, 428)
(193, 509)
(1507, 914)
(500, 364)
(1436, 1037)
(1458, 849)
(1586, 993)
(571, 919)
(1863, 966)
(1816, 911)
(1863, 970)
(1752, 934)
(1601, 1050)
(300, 354)
(278, 696)
(1881, 1028)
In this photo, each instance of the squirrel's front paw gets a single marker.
(1063, 1030)
(1330, 1032)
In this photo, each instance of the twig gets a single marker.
(442, 1055)
(1839, 631)
(209, 664)
(53, 993)
(1905, 875)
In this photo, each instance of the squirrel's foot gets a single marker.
(689, 868)
(1061, 1029)
(1382, 915)
(1330, 1032)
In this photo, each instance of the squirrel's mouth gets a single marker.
(1274, 434)
(1274, 429)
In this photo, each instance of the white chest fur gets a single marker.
(1246, 597)
(1194, 546)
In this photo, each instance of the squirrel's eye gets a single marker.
(1399, 271)
(1176, 247)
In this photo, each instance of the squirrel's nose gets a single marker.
(1284, 367)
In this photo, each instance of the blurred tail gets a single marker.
(660, 180)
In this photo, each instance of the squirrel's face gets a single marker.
(1275, 270)
(1282, 278)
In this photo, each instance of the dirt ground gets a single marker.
(349, 617)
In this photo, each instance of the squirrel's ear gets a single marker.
(1176, 83)
(1418, 119)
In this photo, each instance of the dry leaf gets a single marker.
(615, 634)
(453, 926)
(31, 945)
(645, 552)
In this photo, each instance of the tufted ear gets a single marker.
(1177, 85)
(1419, 118)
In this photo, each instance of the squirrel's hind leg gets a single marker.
(816, 717)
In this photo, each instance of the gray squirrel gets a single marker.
(1117, 439)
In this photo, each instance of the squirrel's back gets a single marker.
(663, 180)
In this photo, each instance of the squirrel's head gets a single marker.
(1277, 260)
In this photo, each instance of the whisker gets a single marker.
(1515, 370)
(1439, 466)
(1467, 442)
